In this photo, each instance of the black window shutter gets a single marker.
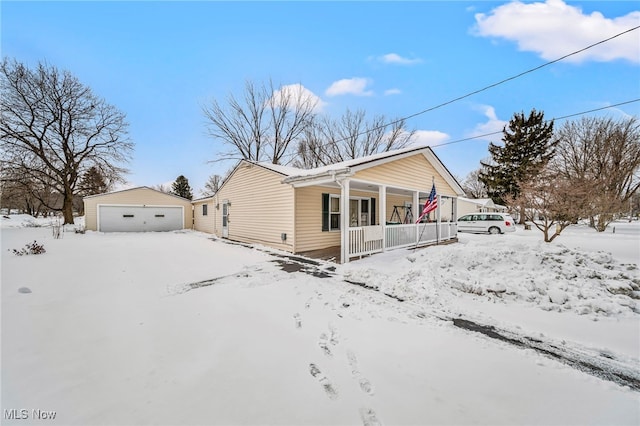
(325, 212)
(373, 211)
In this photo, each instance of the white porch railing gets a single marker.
(401, 235)
(448, 230)
(365, 240)
(427, 233)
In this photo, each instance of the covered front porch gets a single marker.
(372, 217)
(398, 229)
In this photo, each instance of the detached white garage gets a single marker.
(139, 209)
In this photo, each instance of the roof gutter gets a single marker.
(333, 176)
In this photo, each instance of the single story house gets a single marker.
(480, 205)
(137, 209)
(355, 207)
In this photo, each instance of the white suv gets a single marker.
(493, 223)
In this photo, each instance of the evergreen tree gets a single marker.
(181, 188)
(93, 182)
(528, 147)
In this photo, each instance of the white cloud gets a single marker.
(350, 86)
(553, 29)
(394, 58)
(298, 92)
(428, 137)
(392, 92)
(492, 125)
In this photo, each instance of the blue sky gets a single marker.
(160, 62)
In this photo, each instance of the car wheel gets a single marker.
(494, 230)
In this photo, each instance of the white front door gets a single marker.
(225, 220)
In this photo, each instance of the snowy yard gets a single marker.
(179, 329)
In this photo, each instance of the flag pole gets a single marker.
(433, 185)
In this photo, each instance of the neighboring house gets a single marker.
(303, 211)
(137, 210)
(481, 205)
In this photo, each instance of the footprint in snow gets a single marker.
(324, 344)
(331, 392)
(364, 383)
(298, 320)
(369, 417)
(333, 338)
(326, 339)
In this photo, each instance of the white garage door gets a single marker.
(139, 218)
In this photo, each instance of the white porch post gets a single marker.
(454, 214)
(344, 226)
(455, 210)
(416, 214)
(382, 200)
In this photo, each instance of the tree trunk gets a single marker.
(603, 221)
(67, 208)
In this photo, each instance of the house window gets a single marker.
(330, 212)
(204, 209)
(362, 212)
(334, 213)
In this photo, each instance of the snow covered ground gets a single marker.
(178, 328)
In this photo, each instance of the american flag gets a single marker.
(431, 204)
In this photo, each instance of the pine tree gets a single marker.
(93, 182)
(181, 188)
(528, 147)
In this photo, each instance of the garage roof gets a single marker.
(136, 188)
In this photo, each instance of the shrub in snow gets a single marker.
(33, 248)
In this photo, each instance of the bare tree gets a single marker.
(212, 185)
(23, 194)
(162, 188)
(473, 186)
(311, 151)
(351, 136)
(291, 110)
(603, 154)
(552, 202)
(264, 125)
(53, 128)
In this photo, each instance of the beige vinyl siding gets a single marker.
(398, 200)
(204, 223)
(261, 207)
(135, 197)
(414, 172)
(309, 233)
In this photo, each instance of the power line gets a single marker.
(475, 92)
(515, 76)
(564, 117)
